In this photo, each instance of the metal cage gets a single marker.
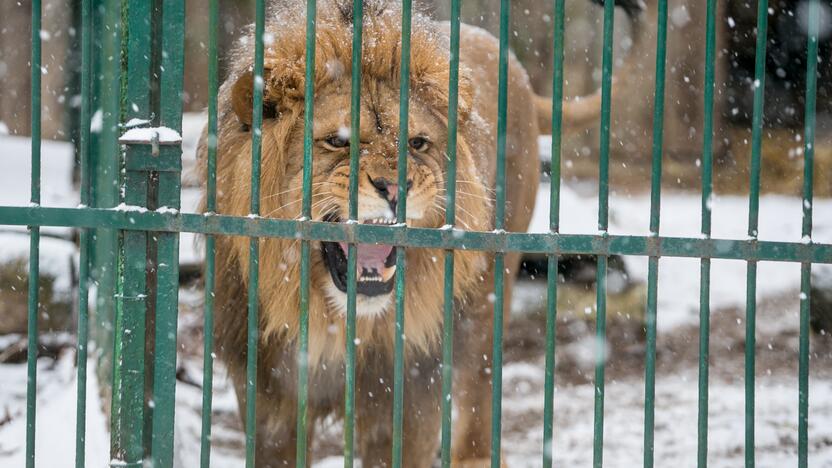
(129, 216)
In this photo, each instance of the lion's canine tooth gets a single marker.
(388, 273)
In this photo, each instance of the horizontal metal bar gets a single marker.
(169, 221)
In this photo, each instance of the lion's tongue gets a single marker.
(370, 257)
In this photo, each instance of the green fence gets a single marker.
(132, 68)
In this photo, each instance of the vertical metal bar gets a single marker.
(34, 242)
(115, 113)
(171, 74)
(606, 100)
(210, 242)
(600, 352)
(499, 225)
(254, 242)
(603, 223)
(84, 241)
(401, 219)
(806, 268)
(129, 367)
(753, 221)
(127, 442)
(650, 362)
(303, 338)
(705, 263)
(106, 188)
(655, 214)
(554, 229)
(355, 149)
(750, 345)
(450, 220)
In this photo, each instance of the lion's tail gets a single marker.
(581, 112)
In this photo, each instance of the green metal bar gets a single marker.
(127, 443)
(450, 220)
(704, 355)
(545, 243)
(753, 222)
(36, 101)
(254, 243)
(655, 223)
(600, 353)
(171, 72)
(757, 117)
(106, 187)
(303, 339)
(554, 228)
(603, 224)
(112, 184)
(806, 268)
(499, 224)
(708, 124)
(208, 352)
(32, 345)
(167, 307)
(355, 149)
(34, 242)
(84, 241)
(705, 263)
(210, 242)
(650, 362)
(129, 377)
(401, 218)
(750, 347)
(606, 101)
(549, 372)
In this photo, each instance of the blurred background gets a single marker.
(531, 40)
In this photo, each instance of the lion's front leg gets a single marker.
(420, 426)
(276, 430)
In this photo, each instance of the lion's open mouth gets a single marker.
(375, 264)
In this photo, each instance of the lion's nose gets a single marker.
(388, 190)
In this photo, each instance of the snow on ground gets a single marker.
(55, 421)
(780, 220)
(676, 422)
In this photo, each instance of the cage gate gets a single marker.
(129, 223)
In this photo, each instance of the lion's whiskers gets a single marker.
(295, 189)
(473, 195)
(459, 220)
(476, 184)
(327, 195)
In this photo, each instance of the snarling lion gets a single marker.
(282, 160)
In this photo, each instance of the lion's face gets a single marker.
(378, 174)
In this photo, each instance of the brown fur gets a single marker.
(282, 155)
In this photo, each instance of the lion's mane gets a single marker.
(280, 258)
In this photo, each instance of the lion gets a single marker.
(281, 185)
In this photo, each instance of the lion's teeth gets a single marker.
(388, 273)
(382, 221)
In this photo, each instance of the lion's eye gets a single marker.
(337, 142)
(419, 143)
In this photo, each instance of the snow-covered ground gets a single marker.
(676, 385)
(55, 422)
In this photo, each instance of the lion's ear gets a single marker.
(242, 98)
